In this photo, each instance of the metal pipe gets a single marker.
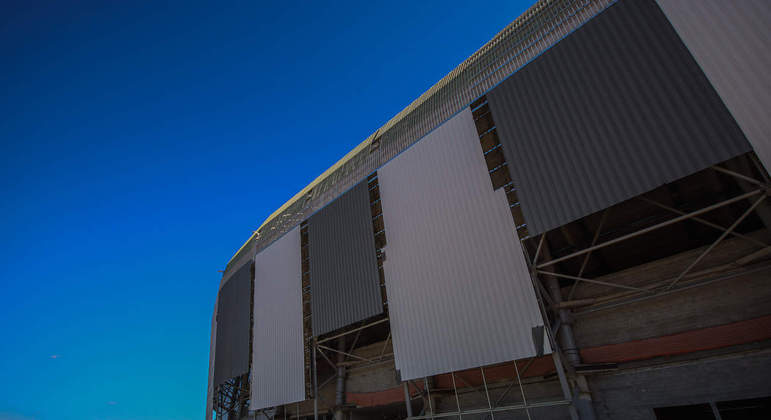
(487, 393)
(538, 249)
(457, 400)
(340, 389)
(407, 399)
(715, 411)
(428, 391)
(522, 390)
(558, 364)
(589, 254)
(566, 330)
(567, 339)
(652, 228)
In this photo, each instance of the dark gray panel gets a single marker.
(544, 24)
(345, 285)
(730, 40)
(616, 109)
(231, 357)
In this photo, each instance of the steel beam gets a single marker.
(717, 241)
(652, 228)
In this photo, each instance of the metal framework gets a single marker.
(687, 278)
(231, 398)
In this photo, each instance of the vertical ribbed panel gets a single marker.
(616, 109)
(544, 24)
(277, 358)
(731, 41)
(212, 351)
(345, 287)
(232, 356)
(459, 291)
(244, 258)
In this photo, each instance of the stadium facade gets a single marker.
(573, 224)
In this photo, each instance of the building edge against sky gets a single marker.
(630, 146)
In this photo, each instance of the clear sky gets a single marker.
(142, 142)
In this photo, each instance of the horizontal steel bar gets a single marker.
(604, 283)
(634, 299)
(342, 352)
(652, 228)
(353, 330)
(738, 175)
(704, 222)
(494, 410)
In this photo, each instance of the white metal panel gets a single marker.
(277, 355)
(459, 291)
(731, 41)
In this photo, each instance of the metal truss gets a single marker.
(756, 196)
(231, 398)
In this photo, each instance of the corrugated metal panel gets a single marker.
(616, 109)
(525, 38)
(345, 286)
(232, 355)
(731, 41)
(277, 358)
(459, 291)
(245, 257)
(212, 351)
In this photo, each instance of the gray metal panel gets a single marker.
(731, 41)
(345, 286)
(544, 24)
(459, 291)
(212, 351)
(277, 359)
(616, 109)
(232, 355)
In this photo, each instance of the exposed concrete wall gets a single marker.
(632, 394)
(740, 298)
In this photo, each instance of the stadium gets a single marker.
(572, 224)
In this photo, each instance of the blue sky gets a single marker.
(142, 142)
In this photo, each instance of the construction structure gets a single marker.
(574, 223)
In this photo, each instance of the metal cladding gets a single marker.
(277, 375)
(616, 109)
(232, 350)
(730, 41)
(459, 291)
(345, 286)
(540, 27)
